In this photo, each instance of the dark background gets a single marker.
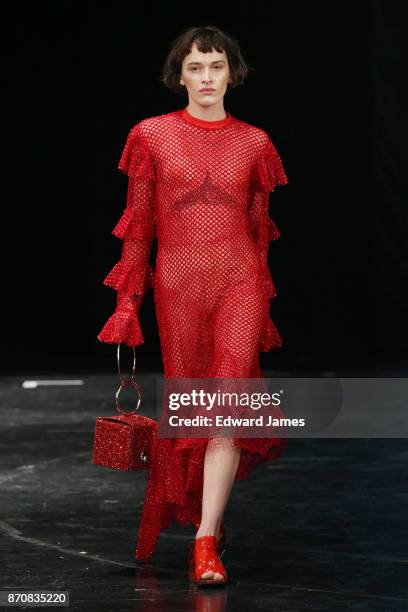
(327, 87)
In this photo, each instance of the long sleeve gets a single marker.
(132, 276)
(268, 174)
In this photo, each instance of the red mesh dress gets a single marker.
(202, 189)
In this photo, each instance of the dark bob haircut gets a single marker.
(206, 38)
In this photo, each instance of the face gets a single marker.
(202, 70)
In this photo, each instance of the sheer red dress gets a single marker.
(202, 189)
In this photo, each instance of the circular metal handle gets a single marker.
(124, 378)
(124, 384)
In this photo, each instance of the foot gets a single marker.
(210, 575)
(205, 564)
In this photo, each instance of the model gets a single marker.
(199, 182)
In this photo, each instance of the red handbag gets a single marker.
(124, 442)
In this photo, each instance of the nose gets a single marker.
(206, 75)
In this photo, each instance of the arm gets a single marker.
(132, 276)
(263, 230)
(268, 174)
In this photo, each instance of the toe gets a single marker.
(207, 575)
(212, 576)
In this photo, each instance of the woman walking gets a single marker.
(199, 181)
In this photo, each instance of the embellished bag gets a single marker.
(124, 442)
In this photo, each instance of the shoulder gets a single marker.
(257, 137)
(269, 170)
(146, 129)
(137, 157)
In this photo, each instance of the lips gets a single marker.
(206, 90)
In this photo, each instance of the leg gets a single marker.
(238, 328)
(220, 466)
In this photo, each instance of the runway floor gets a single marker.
(322, 528)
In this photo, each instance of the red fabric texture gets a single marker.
(202, 189)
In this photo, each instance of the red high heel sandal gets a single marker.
(205, 559)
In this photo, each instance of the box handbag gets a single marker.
(124, 442)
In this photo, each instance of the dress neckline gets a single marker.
(185, 114)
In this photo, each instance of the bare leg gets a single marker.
(220, 466)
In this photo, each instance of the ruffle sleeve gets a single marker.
(133, 275)
(267, 175)
(269, 170)
(136, 159)
(124, 327)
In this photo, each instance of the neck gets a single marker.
(215, 112)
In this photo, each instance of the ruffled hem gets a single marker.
(176, 495)
(122, 327)
(254, 451)
(129, 226)
(130, 280)
(269, 172)
(267, 232)
(273, 232)
(136, 160)
(267, 282)
(271, 338)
